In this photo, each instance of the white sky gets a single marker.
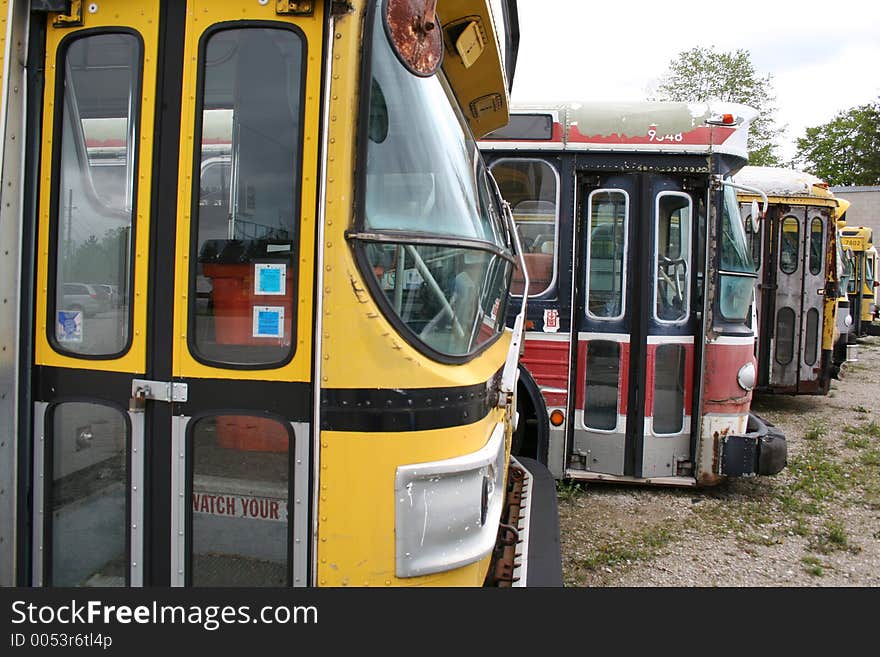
(823, 57)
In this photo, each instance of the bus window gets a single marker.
(246, 203)
(603, 380)
(753, 238)
(737, 271)
(606, 249)
(96, 184)
(672, 273)
(789, 243)
(88, 495)
(442, 266)
(251, 457)
(816, 245)
(785, 336)
(532, 189)
(811, 339)
(669, 389)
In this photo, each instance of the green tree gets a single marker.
(846, 150)
(700, 75)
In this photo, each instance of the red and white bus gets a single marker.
(639, 362)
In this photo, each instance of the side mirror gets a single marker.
(755, 216)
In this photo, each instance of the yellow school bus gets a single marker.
(258, 278)
(864, 281)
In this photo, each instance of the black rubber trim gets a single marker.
(413, 409)
(291, 400)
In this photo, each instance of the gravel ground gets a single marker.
(817, 523)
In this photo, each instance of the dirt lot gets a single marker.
(815, 524)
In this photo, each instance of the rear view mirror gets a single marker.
(755, 216)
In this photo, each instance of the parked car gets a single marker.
(112, 291)
(85, 297)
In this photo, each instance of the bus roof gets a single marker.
(627, 126)
(779, 182)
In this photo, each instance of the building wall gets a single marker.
(865, 208)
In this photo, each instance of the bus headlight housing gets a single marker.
(746, 376)
(447, 512)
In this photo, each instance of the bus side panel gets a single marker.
(13, 43)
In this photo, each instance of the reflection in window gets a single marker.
(753, 239)
(530, 186)
(669, 363)
(603, 380)
(789, 245)
(88, 496)
(96, 186)
(246, 205)
(857, 261)
(240, 484)
(452, 299)
(606, 251)
(737, 275)
(672, 274)
(811, 339)
(816, 245)
(785, 320)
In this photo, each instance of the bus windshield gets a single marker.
(737, 270)
(433, 228)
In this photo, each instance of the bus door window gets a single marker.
(246, 203)
(93, 206)
(602, 385)
(817, 245)
(240, 486)
(608, 223)
(86, 457)
(669, 377)
(672, 271)
(532, 189)
(789, 245)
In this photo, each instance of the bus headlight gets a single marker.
(447, 512)
(746, 376)
(847, 321)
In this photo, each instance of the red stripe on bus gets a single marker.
(704, 135)
(547, 362)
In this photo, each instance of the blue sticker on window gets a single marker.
(269, 278)
(69, 327)
(268, 321)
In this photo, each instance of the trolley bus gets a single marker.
(255, 276)
(796, 253)
(638, 363)
(864, 281)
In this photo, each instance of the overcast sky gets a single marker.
(823, 56)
